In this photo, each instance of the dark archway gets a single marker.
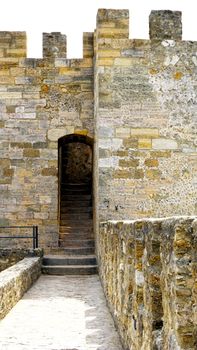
(75, 191)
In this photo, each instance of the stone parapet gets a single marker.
(16, 280)
(10, 256)
(148, 269)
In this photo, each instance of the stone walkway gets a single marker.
(60, 313)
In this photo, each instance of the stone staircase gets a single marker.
(75, 255)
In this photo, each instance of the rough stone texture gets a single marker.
(9, 257)
(135, 98)
(148, 271)
(165, 25)
(60, 312)
(16, 280)
(41, 100)
(145, 115)
(54, 45)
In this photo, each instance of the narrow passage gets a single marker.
(60, 313)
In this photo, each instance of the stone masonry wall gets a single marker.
(41, 100)
(148, 269)
(136, 98)
(16, 280)
(145, 112)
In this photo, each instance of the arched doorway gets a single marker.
(75, 192)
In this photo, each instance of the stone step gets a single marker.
(75, 197)
(76, 185)
(73, 235)
(75, 250)
(76, 216)
(76, 189)
(66, 210)
(75, 229)
(74, 193)
(67, 242)
(76, 224)
(75, 204)
(70, 270)
(63, 260)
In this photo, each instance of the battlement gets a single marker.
(165, 25)
(54, 45)
(111, 24)
(13, 44)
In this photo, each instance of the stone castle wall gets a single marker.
(146, 118)
(136, 98)
(148, 269)
(40, 101)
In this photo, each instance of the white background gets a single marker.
(72, 17)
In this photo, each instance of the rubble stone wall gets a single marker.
(148, 269)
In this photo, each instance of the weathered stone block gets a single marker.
(31, 153)
(105, 131)
(165, 25)
(16, 52)
(144, 143)
(109, 53)
(128, 163)
(55, 134)
(164, 144)
(123, 132)
(8, 172)
(151, 162)
(10, 95)
(144, 132)
(105, 61)
(153, 174)
(49, 171)
(6, 80)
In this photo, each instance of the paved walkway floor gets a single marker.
(60, 313)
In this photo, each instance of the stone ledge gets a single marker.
(16, 280)
(11, 256)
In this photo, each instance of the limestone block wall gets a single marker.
(145, 112)
(41, 100)
(148, 269)
(16, 280)
(136, 98)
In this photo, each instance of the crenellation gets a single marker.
(165, 25)
(88, 45)
(113, 24)
(54, 45)
(13, 44)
